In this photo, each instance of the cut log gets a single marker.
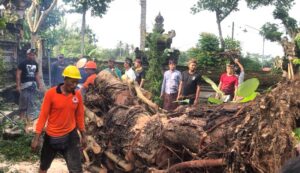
(197, 164)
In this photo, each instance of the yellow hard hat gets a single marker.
(71, 71)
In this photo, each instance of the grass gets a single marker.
(17, 149)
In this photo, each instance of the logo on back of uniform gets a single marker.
(75, 99)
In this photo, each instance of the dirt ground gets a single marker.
(57, 166)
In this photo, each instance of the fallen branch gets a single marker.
(141, 96)
(127, 167)
(197, 164)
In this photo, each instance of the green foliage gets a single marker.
(206, 51)
(97, 7)
(249, 98)
(296, 134)
(212, 84)
(248, 87)
(53, 19)
(2, 23)
(222, 8)
(257, 3)
(232, 44)
(270, 32)
(156, 59)
(186, 101)
(296, 61)
(18, 149)
(208, 42)
(246, 90)
(183, 58)
(214, 101)
(251, 62)
(67, 41)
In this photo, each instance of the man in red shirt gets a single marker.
(229, 82)
(62, 110)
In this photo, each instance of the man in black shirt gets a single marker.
(139, 72)
(189, 86)
(27, 80)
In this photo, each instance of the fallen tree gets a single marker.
(129, 134)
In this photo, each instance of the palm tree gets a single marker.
(143, 24)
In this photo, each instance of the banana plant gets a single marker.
(246, 90)
(215, 88)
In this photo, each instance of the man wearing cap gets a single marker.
(129, 73)
(56, 70)
(229, 82)
(169, 88)
(139, 72)
(189, 87)
(63, 111)
(27, 79)
(115, 71)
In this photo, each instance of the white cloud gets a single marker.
(122, 22)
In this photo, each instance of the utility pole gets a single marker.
(232, 31)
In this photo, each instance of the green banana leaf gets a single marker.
(296, 134)
(92, 52)
(296, 61)
(214, 100)
(248, 87)
(212, 84)
(182, 101)
(249, 98)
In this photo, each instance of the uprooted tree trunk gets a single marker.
(127, 136)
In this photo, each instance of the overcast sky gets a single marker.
(122, 22)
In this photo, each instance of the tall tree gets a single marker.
(221, 8)
(143, 24)
(97, 7)
(35, 16)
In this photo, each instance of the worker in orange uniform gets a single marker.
(90, 69)
(63, 111)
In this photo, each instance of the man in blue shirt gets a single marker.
(170, 85)
(56, 70)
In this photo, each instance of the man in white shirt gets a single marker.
(129, 73)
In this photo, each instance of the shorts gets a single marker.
(71, 153)
(27, 101)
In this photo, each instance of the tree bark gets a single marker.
(220, 30)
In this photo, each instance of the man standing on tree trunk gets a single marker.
(189, 87)
(27, 80)
(62, 109)
(169, 88)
